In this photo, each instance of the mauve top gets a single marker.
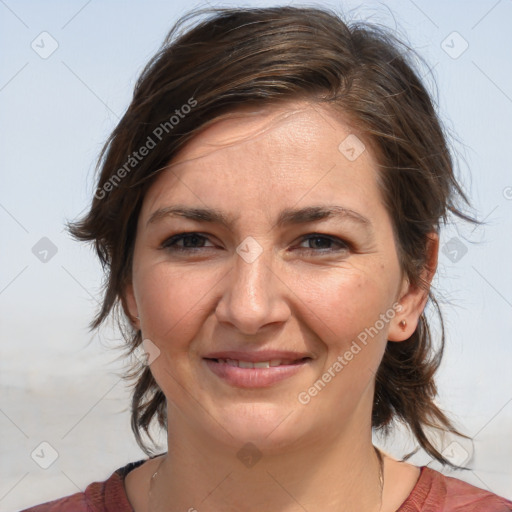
(433, 492)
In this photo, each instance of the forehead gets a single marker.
(285, 152)
(300, 125)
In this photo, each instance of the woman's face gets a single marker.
(314, 296)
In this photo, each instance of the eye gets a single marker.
(194, 241)
(191, 241)
(323, 243)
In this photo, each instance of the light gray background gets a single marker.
(56, 113)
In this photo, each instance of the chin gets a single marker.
(270, 427)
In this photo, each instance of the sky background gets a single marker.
(61, 384)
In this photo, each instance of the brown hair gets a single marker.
(254, 57)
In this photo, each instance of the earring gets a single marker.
(403, 324)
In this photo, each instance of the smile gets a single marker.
(248, 374)
(259, 364)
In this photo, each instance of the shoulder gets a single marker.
(105, 496)
(437, 492)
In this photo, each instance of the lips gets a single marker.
(256, 369)
(258, 356)
(258, 364)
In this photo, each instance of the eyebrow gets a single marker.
(288, 216)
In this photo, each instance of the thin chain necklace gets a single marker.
(153, 478)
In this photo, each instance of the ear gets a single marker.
(413, 298)
(130, 305)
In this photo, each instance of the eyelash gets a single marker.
(170, 243)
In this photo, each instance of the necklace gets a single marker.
(153, 478)
(151, 483)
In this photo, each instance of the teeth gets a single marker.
(249, 364)
(262, 364)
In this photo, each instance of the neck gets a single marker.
(198, 473)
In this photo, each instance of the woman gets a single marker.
(268, 211)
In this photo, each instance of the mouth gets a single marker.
(258, 364)
(242, 373)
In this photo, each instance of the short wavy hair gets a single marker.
(233, 58)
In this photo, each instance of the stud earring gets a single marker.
(402, 324)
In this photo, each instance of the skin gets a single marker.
(296, 295)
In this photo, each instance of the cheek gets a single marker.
(342, 303)
(172, 304)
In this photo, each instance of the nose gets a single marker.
(253, 295)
